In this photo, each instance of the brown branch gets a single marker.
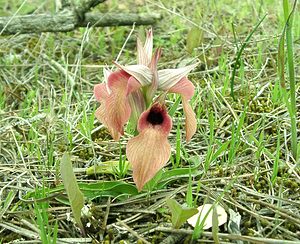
(68, 21)
(73, 15)
(60, 22)
(83, 6)
(118, 19)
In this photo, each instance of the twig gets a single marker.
(104, 224)
(19, 230)
(281, 211)
(134, 233)
(22, 122)
(173, 238)
(258, 240)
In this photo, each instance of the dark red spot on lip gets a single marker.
(155, 116)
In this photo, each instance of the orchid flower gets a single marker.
(129, 92)
(169, 80)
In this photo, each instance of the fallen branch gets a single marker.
(69, 18)
(63, 22)
(119, 19)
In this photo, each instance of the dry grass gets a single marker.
(47, 107)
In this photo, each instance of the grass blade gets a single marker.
(239, 54)
(276, 161)
(291, 69)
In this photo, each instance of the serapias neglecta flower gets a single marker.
(130, 92)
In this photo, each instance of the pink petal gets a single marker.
(100, 92)
(117, 110)
(150, 150)
(101, 116)
(133, 85)
(190, 119)
(118, 79)
(137, 104)
(148, 153)
(114, 110)
(184, 87)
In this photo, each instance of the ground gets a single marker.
(239, 158)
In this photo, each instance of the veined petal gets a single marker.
(145, 52)
(118, 80)
(101, 92)
(148, 153)
(154, 60)
(169, 77)
(141, 72)
(106, 74)
(186, 89)
(149, 44)
(117, 110)
(151, 90)
(100, 114)
(190, 119)
(137, 104)
(150, 150)
(183, 87)
(142, 57)
(133, 85)
(114, 110)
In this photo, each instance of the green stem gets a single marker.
(291, 69)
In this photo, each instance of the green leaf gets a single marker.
(150, 185)
(108, 167)
(74, 194)
(110, 188)
(9, 199)
(280, 59)
(96, 190)
(175, 174)
(179, 213)
(194, 39)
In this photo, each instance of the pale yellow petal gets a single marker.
(148, 153)
(190, 119)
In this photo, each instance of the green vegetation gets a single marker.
(243, 156)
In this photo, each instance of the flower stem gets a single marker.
(288, 17)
